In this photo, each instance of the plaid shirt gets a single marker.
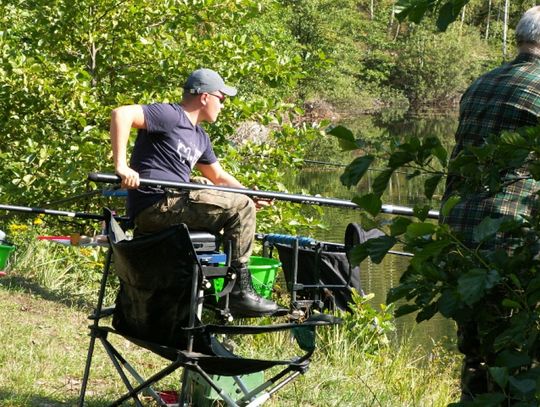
(506, 98)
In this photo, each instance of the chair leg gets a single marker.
(240, 384)
(125, 365)
(113, 355)
(183, 399)
(278, 381)
(94, 326)
(87, 370)
(156, 377)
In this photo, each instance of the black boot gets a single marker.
(245, 302)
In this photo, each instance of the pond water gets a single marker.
(323, 179)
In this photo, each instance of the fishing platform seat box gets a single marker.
(159, 309)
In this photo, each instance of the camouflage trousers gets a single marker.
(231, 214)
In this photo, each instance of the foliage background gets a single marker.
(65, 65)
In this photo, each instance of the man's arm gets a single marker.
(123, 119)
(215, 173)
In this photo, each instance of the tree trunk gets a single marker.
(505, 26)
(391, 23)
(462, 19)
(488, 20)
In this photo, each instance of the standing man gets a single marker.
(504, 99)
(169, 144)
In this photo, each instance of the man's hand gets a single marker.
(130, 178)
(262, 202)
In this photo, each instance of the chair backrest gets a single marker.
(154, 301)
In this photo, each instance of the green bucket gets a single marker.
(263, 273)
(4, 254)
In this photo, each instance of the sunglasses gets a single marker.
(220, 97)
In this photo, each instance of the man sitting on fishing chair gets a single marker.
(169, 144)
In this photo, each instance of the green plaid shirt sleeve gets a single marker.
(506, 98)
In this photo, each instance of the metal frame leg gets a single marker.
(95, 325)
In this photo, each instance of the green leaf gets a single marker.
(534, 168)
(441, 154)
(533, 291)
(449, 204)
(431, 184)
(473, 284)
(512, 359)
(487, 228)
(417, 13)
(28, 178)
(414, 10)
(500, 375)
(413, 145)
(426, 313)
(513, 139)
(345, 137)
(488, 400)
(406, 309)
(482, 153)
(508, 303)
(449, 303)
(370, 202)
(368, 222)
(524, 386)
(447, 15)
(378, 247)
(419, 229)
(430, 251)
(358, 254)
(381, 182)
(413, 174)
(515, 280)
(356, 170)
(399, 158)
(421, 211)
(431, 142)
(399, 225)
(399, 292)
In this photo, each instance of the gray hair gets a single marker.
(528, 28)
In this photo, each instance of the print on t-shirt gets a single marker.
(186, 154)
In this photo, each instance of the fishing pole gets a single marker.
(69, 214)
(73, 198)
(332, 164)
(280, 196)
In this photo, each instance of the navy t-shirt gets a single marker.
(167, 149)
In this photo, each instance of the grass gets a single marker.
(44, 342)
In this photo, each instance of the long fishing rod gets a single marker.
(281, 196)
(69, 214)
(332, 164)
(73, 198)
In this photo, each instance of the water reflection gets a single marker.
(324, 180)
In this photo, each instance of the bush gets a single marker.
(430, 67)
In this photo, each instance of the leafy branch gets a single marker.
(492, 281)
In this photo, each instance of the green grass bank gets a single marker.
(47, 295)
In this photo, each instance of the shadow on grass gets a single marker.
(8, 398)
(26, 285)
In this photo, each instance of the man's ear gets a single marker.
(204, 99)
